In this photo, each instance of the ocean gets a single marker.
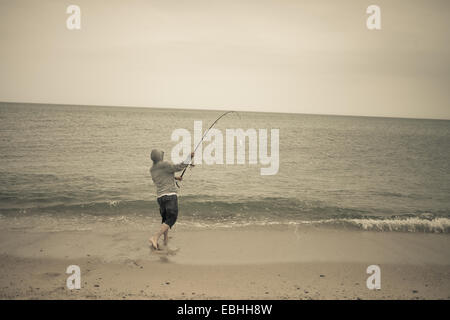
(74, 167)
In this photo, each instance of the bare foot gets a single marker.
(153, 243)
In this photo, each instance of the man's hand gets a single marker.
(178, 178)
(192, 154)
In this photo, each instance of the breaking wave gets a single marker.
(203, 212)
(417, 224)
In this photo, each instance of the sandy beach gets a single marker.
(278, 262)
(297, 150)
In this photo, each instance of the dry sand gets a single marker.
(240, 263)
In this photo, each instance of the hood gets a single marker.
(157, 155)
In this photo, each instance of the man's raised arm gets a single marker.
(180, 166)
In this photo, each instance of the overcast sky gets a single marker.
(261, 55)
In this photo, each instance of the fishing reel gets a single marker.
(180, 178)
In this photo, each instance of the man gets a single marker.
(163, 177)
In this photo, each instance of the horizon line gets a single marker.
(203, 109)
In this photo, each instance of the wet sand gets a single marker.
(239, 263)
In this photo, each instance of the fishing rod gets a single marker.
(203, 137)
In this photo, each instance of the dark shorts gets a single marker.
(168, 208)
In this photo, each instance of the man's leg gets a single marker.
(171, 215)
(154, 240)
(166, 237)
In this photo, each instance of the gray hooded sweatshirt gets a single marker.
(163, 173)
